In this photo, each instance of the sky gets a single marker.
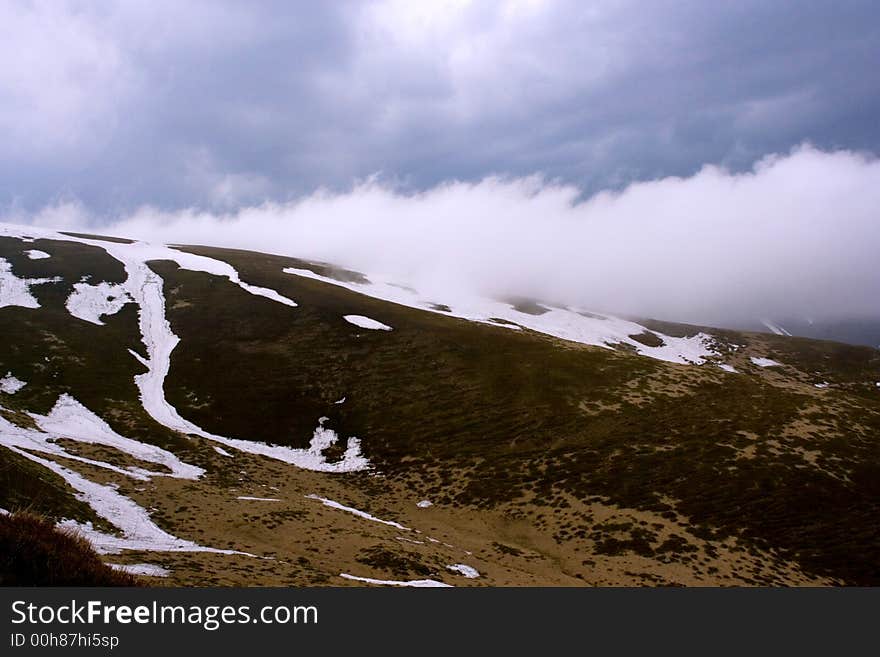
(596, 152)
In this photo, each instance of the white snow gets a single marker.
(90, 302)
(10, 384)
(463, 569)
(727, 368)
(258, 499)
(146, 569)
(143, 252)
(366, 323)
(822, 385)
(139, 532)
(13, 436)
(311, 458)
(4, 512)
(146, 252)
(340, 401)
(764, 362)
(418, 583)
(70, 419)
(357, 512)
(424, 504)
(572, 324)
(34, 254)
(775, 328)
(15, 291)
(265, 292)
(221, 451)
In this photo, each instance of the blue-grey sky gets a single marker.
(219, 105)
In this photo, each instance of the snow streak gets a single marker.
(356, 512)
(417, 583)
(574, 324)
(366, 323)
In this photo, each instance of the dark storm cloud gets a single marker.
(220, 105)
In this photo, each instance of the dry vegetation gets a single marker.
(33, 552)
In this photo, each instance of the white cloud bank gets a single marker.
(797, 235)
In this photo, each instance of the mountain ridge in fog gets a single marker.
(796, 236)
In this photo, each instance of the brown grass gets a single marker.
(33, 552)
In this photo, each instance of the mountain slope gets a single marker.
(555, 446)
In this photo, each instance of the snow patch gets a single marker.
(764, 362)
(418, 583)
(424, 504)
(272, 295)
(34, 254)
(366, 323)
(258, 499)
(357, 512)
(15, 291)
(463, 569)
(145, 569)
(90, 302)
(221, 451)
(10, 384)
(727, 368)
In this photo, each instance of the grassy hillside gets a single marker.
(547, 462)
(481, 417)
